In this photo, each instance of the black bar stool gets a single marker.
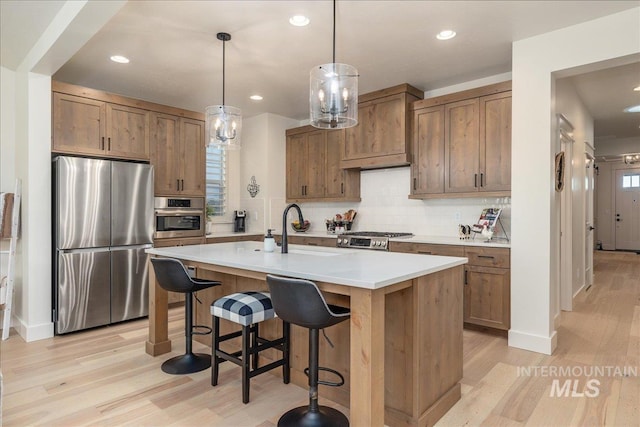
(247, 309)
(300, 302)
(173, 277)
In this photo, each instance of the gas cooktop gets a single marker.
(368, 239)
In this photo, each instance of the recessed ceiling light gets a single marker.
(637, 88)
(299, 20)
(120, 59)
(446, 35)
(633, 109)
(256, 97)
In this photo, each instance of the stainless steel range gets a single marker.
(368, 239)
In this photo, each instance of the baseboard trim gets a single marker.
(578, 291)
(32, 332)
(531, 342)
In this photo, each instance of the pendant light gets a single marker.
(222, 122)
(333, 94)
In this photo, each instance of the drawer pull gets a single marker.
(486, 256)
(425, 252)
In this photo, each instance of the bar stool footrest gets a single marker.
(194, 330)
(329, 383)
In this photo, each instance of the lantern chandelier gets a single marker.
(223, 123)
(333, 94)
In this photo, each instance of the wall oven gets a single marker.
(179, 217)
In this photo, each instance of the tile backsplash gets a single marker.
(385, 206)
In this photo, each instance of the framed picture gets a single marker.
(489, 218)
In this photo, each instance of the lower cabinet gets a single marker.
(487, 297)
(487, 284)
(238, 238)
(175, 297)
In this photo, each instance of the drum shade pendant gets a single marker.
(222, 122)
(333, 94)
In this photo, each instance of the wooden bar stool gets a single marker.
(300, 302)
(172, 276)
(247, 309)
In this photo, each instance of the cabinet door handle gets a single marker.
(486, 256)
(109, 144)
(425, 252)
(415, 184)
(475, 180)
(177, 185)
(102, 144)
(482, 180)
(342, 188)
(182, 182)
(465, 277)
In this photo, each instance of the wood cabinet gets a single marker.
(313, 171)
(426, 248)
(238, 238)
(97, 128)
(487, 290)
(462, 144)
(178, 155)
(382, 136)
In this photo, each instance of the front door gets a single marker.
(628, 209)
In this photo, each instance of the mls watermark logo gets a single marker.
(576, 381)
(571, 388)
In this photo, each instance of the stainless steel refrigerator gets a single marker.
(103, 222)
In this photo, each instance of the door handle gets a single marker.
(481, 180)
(342, 188)
(109, 144)
(475, 180)
(591, 228)
(177, 184)
(182, 182)
(102, 144)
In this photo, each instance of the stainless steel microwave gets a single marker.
(179, 217)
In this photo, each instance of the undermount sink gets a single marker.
(314, 253)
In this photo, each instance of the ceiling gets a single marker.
(177, 60)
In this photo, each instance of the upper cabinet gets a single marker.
(95, 123)
(93, 127)
(382, 136)
(462, 144)
(178, 155)
(313, 171)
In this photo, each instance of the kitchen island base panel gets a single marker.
(402, 347)
(422, 341)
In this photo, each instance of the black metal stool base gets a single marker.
(187, 364)
(302, 417)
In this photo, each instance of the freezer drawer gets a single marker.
(129, 283)
(83, 289)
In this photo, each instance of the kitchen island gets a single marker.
(401, 351)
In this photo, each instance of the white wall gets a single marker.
(569, 104)
(533, 282)
(263, 156)
(7, 145)
(615, 147)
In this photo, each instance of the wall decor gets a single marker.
(253, 188)
(560, 171)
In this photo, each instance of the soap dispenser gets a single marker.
(269, 242)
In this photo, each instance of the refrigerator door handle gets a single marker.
(83, 250)
(128, 247)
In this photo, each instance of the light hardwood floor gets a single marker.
(103, 377)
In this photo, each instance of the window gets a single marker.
(216, 181)
(631, 181)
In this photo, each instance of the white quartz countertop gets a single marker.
(436, 240)
(351, 267)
